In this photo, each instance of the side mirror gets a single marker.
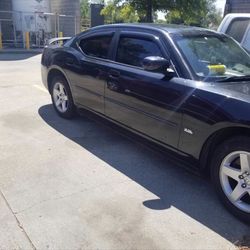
(153, 63)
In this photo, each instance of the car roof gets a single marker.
(169, 28)
(238, 15)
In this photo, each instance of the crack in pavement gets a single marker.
(17, 221)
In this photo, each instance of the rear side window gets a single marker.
(132, 51)
(238, 28)
(97, 46)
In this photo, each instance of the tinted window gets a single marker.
(96, 46)
(238, 28)
(132, 51)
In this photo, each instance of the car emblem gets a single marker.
(188, 131)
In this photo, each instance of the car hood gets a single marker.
(240, 88)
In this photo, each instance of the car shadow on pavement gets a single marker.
(151, 169)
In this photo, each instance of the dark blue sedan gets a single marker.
(186, 89)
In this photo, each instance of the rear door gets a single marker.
(145, 101)
(89, 75)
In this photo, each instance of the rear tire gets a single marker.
(62, 98)
(230, 172)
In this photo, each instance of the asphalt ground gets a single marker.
(82, 184)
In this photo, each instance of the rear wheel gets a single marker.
(230, 173)
(62, 98)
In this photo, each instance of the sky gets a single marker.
(220, 4)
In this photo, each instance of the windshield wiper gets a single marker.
(235, 79)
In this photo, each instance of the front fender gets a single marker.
(196, 135)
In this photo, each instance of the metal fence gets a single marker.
(37, 27)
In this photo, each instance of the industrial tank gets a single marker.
(69, 18)
(44, 19)
(29, 15)
(6, 24)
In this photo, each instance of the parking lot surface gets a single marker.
(80, 184)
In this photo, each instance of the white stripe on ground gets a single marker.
(40, 88)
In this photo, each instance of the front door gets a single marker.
(145, 101)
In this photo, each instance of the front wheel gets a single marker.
(62, 98)
(230, 173)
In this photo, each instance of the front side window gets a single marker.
(96, 46)
(213, 55)
(132, 51)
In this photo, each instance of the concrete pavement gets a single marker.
(81, 185)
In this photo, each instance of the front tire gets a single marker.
(62, 98)
(230, 172)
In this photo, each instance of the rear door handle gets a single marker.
(114, 74)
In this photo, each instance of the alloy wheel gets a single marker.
(60, 97)
(235, 179)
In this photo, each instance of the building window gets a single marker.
(238, 28)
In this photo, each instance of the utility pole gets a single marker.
(149, 16)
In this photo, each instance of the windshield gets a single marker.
(215, 56)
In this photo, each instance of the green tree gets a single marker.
(117, 12)
(147, 8)
(85, 14)
(85, 9)
(213, 19)
(134, 10)
(190, 12)
(128, 14)
(194, 12)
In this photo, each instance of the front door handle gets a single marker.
(114, 74)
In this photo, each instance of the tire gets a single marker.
(230, 172)
(62, 98)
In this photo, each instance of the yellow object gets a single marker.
(1, 41)
(217, 69)
(27, 40)
(60, 35)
